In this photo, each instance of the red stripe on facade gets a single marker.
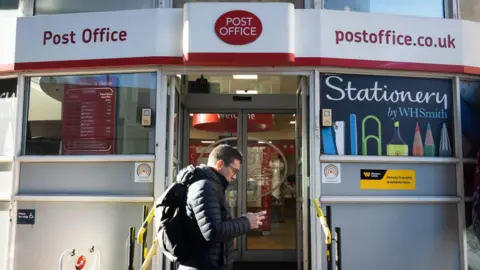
(239, 60)
(373, 64)
(110, 62)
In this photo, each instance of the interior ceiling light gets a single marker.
(246, 92)
(207, 142)
(245, 77)
(292, 122)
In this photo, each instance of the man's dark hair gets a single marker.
(226, 153)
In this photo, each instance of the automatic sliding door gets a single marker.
(301, 130)
(208, 130)
(270, 169)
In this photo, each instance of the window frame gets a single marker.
(25, 105)
(30, 5)
(307, 4)
(7, 9)
(450, 8)
(456, 160)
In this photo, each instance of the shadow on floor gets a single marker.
(264, 266)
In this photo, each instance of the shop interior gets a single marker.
(271, 150)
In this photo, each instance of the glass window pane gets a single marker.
(297, 3)
(424, 8)
(208, 130)
(249, 84)
(470, 117)
(91, 114)
(9, 4)
(47, 7)
(470, 10)
(8, 115)
(271, 180)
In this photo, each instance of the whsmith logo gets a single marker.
(372, 174)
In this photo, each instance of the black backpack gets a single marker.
(171, 214)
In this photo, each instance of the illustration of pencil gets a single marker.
(417, 143)
(444, 149)
(429, 146)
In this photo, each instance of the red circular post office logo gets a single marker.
(238, 27)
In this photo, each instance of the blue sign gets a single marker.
(26, 216)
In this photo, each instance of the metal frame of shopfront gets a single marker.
(197, 103)
(315, 235)
(457, 160)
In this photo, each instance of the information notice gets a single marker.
(88, 117)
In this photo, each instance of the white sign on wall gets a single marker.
(241, 34)
(331, 173)
(144, 172)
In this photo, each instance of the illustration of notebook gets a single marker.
(328, 141)
(353, 135)
(339, 129)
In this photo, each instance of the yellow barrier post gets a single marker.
(323, 221)
(147, 255)
(145, 224)
(150, 254)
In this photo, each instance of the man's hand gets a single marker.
(256, 219)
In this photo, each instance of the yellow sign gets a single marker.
(387, 179)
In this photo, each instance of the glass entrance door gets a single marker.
(269, 183)
(207, 130)
(267, 180)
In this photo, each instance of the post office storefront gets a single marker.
(374, 115)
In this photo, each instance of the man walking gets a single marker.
(210, 223)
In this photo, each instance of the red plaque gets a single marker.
(238, 27)
(88, 118)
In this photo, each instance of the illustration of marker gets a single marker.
(339, 128)
(429, 145)
(444, 149)
(417, 149)
(353, 135)
(397, 147)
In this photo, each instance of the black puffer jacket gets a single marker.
(210, 216)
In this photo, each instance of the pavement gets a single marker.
(264, 266)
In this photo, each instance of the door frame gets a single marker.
(223, 103)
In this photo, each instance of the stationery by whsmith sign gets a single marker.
(386, 115)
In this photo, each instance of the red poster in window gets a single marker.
(88, 118)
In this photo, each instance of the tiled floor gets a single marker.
(265, 266)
